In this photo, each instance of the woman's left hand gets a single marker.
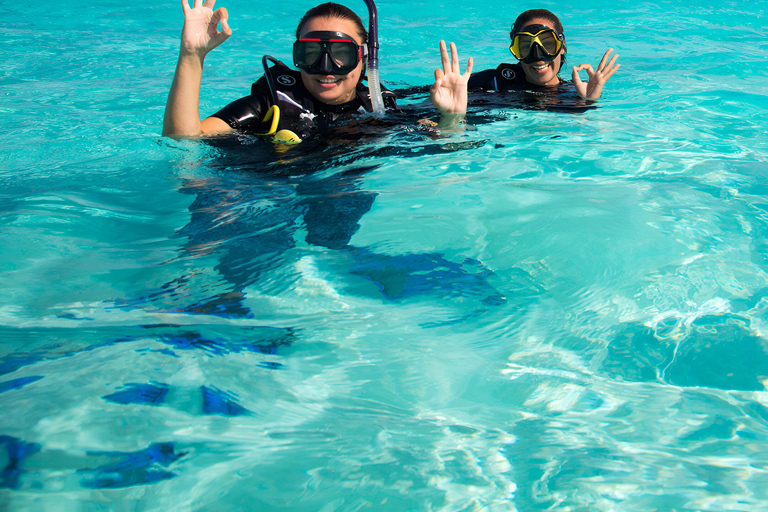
(594, 86)
(449, 92)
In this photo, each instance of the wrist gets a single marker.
(191, 53)
(593, 97)
(459, 109)
(191, 60)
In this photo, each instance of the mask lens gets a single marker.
(549, 42)
(307, 53)
(524, 44)
(344, 54)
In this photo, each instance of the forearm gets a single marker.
(182, 114)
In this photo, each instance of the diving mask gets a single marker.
(536, 43)
(327, 53)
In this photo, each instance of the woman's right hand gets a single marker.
(200, 34)
(449, 92)
(594, 87)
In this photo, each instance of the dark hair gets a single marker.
(331, 10)
(543, 14)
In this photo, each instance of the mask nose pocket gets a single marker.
(538, 52)
(326, 66)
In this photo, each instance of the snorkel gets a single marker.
(374, 85)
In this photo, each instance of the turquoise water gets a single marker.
(550, 311)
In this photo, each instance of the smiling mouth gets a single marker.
(542, 67)
(329, 80)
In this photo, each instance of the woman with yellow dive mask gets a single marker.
(538, 43)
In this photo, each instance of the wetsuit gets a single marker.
(510, 79)
(506, 77)
(300, 112)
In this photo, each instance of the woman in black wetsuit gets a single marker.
(539, 45)
(330, 51)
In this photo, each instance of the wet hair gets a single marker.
(541, 14)
(331, 10)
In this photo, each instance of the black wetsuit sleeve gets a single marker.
(246, 113)
(482, 81)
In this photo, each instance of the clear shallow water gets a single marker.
(550, 312)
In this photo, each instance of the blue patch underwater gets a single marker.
(133, 468)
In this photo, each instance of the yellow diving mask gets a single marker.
(535, 43)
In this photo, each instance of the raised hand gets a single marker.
(200, 34)
(449, 92)
(594, 86)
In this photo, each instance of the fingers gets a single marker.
(451, 62)
(444, 57)
(610, 73)
(588, 68)
(454, 58)
(468, 72)
(221, 15)
(604, 59)
(609, 68)
(605, 69)
(225, 28)
(197, 4)
(435, 94)
(575, 75)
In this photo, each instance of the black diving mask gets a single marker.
(327, 53)
(535, 43)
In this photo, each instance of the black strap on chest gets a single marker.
(287, 92)
(283, 82)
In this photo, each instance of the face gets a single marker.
(333, 89)
(543, 73)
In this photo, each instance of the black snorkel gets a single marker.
(268, 74)
(374, 85)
